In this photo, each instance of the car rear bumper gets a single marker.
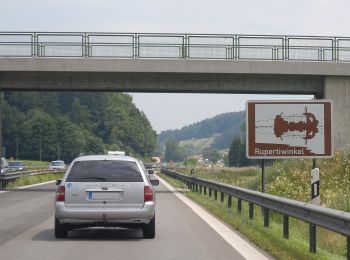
(127, 216)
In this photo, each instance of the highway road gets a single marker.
(26, 232)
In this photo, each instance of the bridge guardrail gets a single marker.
(331, 219)
(174, 46)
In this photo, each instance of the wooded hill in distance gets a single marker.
(66, 124)
(222, 128)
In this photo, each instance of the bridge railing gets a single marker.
(174, 46)
(331, 219)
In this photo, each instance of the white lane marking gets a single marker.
(34, 185)
(235, 240)
(28, 186)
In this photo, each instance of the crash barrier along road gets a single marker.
(6, 178)
(331, 219)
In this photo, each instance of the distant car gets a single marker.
(57, 165)
(4, 165)
(106, 191)
(16, 166)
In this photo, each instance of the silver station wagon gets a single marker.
(107, 191)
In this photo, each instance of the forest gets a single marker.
(226, 126)
(63, 125)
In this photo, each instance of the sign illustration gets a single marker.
(288, 129)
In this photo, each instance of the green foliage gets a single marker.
(234, 176)
(224, 126)
(191, 162)
(73, 123)
(292, 180)
(173, 152)
(34, 163)
(237, 153)
(330, 245)
(29, 180)
(211, 154)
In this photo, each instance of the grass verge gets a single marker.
(31, 163)
(28, 180)
(269, 239)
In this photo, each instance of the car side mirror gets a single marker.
(154, 182)
(150, 171)
(58, 182)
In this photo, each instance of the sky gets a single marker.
(297, 17)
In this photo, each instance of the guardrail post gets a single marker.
(209, 192)
(200, 189)
(215, 194)
(285, 226)
(239, 206)
(348, 247)
(229, 201)
(196, 187)
(312, 238)
(266, 217)
(205, 190)
(222, 197)
(251, 210)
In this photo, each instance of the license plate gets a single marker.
(100, 195)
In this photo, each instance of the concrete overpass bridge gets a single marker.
(193, 63)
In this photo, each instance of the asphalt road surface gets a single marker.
(26, 232)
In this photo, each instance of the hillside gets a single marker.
(221, 128)
(48, 124)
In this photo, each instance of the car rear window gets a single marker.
(104, 171)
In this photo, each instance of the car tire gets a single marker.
(149, 230)
(61, 230)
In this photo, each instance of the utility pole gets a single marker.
(40, 143)
(17, 148)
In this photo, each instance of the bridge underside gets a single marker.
(163, 82)
(322, 79)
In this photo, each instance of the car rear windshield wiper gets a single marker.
(93, 178)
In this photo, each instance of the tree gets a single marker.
(173, 152)
(237, 153)
(71, 139)
(74, 123)
(39, 136)
(211, 154)
(80, 114)
(234, 154)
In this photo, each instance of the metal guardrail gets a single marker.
(6, 178)
(331, 219)
(174, 46)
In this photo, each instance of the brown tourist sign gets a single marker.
(289, 129)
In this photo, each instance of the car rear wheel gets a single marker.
(61, 230)
(149, 230)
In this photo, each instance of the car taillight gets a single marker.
(60, 193)
(148, 193)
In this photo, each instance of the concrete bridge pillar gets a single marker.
(338, 89)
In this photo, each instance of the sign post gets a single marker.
(315, 199)
(315, 187)
(290, 129)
